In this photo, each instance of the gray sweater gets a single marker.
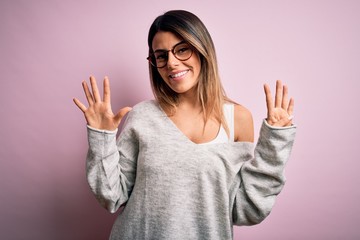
(173, 188)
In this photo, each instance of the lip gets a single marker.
(178, 75)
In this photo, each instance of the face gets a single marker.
(180, 76)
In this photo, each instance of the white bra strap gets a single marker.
(229, 116)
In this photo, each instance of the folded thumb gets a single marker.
(122, 113)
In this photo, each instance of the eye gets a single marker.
(160, 55)
(182, 49)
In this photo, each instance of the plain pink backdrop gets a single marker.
(49, 46)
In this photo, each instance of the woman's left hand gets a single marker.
(279, 113)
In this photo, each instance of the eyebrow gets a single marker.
(161, 50)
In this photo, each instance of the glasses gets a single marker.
(182, 51)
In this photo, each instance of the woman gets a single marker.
(184, 164)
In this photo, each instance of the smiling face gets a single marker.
(180, 76)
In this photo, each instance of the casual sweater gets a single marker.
(173, 188)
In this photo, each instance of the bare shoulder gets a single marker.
(244, 126)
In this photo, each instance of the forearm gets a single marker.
(103, 169)
(262, 178)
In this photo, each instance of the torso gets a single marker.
(191, 123)
(180, 186)
(192, 126)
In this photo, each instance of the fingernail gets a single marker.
(291, 117)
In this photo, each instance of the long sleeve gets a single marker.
(262, 178)
(111, 165)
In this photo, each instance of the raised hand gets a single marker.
(99, 113)
(279, 113)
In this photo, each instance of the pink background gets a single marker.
(48, 47)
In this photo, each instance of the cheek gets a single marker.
(197, 65)
(197, 69)
(161, 73)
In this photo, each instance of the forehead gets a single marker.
(165, 40)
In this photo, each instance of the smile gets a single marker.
(179, 74)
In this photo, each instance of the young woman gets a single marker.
(184, 165)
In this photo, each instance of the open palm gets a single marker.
(99, 113)
(279, 112)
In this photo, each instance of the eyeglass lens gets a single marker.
(182, 51)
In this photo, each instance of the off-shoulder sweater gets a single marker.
(173, 188)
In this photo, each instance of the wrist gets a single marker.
(103, 130)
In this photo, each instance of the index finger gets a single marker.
(269, 101)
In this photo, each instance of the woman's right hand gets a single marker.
(99, 114)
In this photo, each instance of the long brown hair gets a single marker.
(209, 88)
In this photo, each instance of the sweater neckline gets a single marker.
(183, 136)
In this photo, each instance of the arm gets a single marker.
(111, 165)
(110, 170)
(262, 178)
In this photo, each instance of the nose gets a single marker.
(172, 60)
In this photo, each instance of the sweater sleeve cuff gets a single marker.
(101, 130)
(282, 134)
(274, 127)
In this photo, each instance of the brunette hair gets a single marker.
(209, 88)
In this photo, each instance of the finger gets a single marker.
(290, 109)
(278, 94)
(122, 113)
(95, 89)
(80, 105)
(107, 97)
(88, 95)
(285, 101)
(269, 101)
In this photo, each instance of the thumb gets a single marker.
(122, 113)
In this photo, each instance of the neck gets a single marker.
(189, 101)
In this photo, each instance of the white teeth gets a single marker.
(178, 74)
